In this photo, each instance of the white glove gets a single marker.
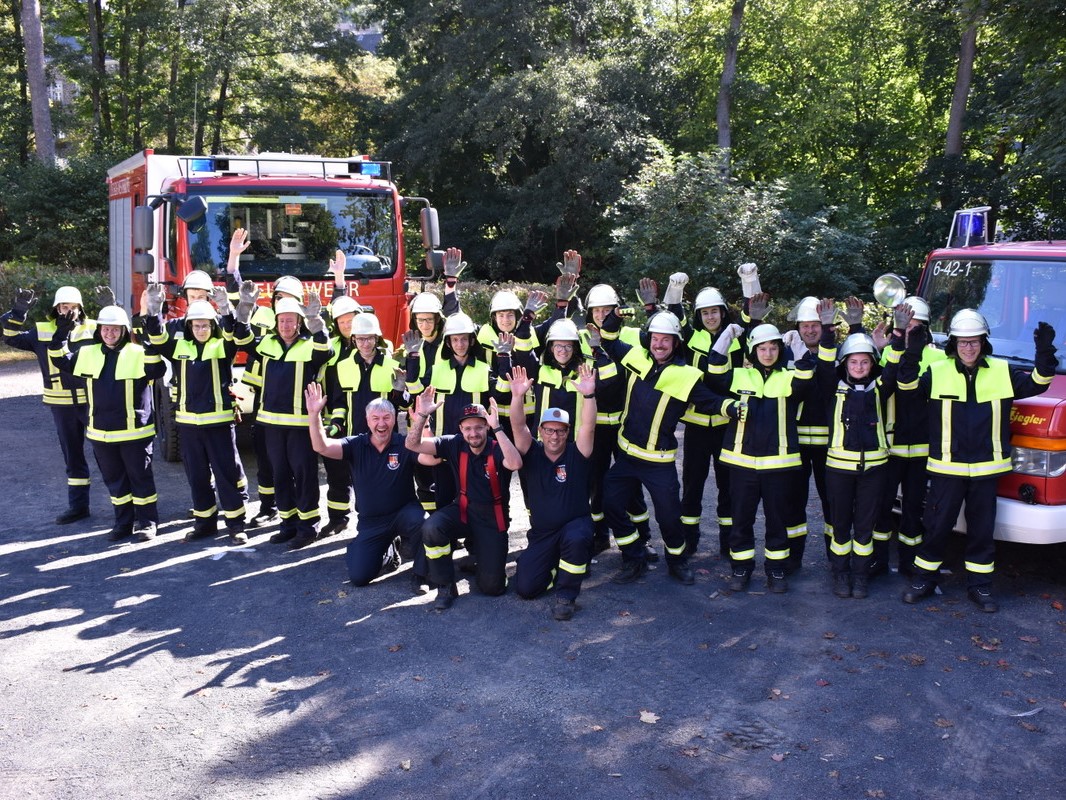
(726, 338)
(794, 342)
(675, 289)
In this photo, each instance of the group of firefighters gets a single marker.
(586, 415)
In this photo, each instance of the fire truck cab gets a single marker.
(170, 215)
(1014, 285)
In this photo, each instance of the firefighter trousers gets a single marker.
(702, 443)
(485, 542)
(909, 475)
(375, 534)
(605, 443)
(854, 503)
(338, 489)
(126, 468)
(813, 458)
(945, 498)
(774, 489)
(623, 482)
(295, 465)
(559, 557)
(264, 472)
(70, 422)
(208, 450)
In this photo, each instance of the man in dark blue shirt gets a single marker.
(556, 474)
(383, 476)
(482, 459)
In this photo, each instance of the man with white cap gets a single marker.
(556, 473)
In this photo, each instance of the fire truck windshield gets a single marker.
(298, 234)
(1012, 294)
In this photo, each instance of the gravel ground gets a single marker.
(202, 671)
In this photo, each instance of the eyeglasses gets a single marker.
(569, 348)
(553, 431)
(968, 343)
(366, 339)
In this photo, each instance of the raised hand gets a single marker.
(238, 243)
(453, 263)
(585, 382)
(565, 288)
(313, 310)
(154, 294)
(399, 380)
(221, 299)
(759, 306)
(104, 296)
(595, 339)
(337, 266)
(424, 403)
(648, 291)
(571, 263)
(535, 301)
(520, 381)
(675, 289)
(853, 308)
(505, 344)
(412, 343)
(827, 310)
(902, 315)
(25, 299)
(315, 399)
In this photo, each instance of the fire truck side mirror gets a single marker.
(143, 228)
(430, 228)
(143, 263)
(193, 212)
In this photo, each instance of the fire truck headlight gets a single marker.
(1039, 463)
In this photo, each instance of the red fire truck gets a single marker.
(170, 215)
(1014, 285)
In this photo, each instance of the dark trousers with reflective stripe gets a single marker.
(623, 482)
(854, 503)
(701, 445)
(70, 422)
(563, 552)
(813, 459)
(208, 450)
(295, 466)
(942, 505)
(486, 543)
(367, 550)
(774, 489)
(264, 472)
(910, 474)
(338, 489)
(605, 443)
(126, 468)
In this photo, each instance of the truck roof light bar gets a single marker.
(270, 164)
(969, 227)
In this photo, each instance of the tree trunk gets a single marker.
(98, 84)
(23, 113)
(220, 111)
(963, 78)
(172, 91)
(33, 38)
(725, 86)
(138, 101)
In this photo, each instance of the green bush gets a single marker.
(44, 280)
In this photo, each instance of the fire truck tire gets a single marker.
(167, 435)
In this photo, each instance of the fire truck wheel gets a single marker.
(167, 436)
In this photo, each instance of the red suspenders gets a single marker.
(494, 483)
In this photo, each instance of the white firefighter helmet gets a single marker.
(67, 294)
(708, 298)
(426, 303)
(289, 305)
(200, 309)
(806, 310)
(857, 343)
(919, 307)
(562, 330)
(601, 295)
(289, 285)
(197, 279)
(344, 305)
(113, 315)
(664, 322)
(761, 334)
(505, 301)
(366, 325)
(458, 323)
(968, 323)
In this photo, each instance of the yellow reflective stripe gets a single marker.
(337, 505)
(438, 552)
(910, 450)
(628, 539)
(121, 501)
(883, 536)
(143, 501)
(573, 569)
(278, 418)
(608, 417)
(928, 566)
(775, 555)
(658, 456)
(761, 462)
(675, 551)
(112, 437)
(206, 418)
(597, 517)
(851, 460)
(207, 513)
(308, 515)
(266, 489)
(690, 520)
(979, 469)
(984, 569)
(725, 520)
(913, 541)
(236, 513)
(287, 513)
(1041, 380)
(635, 518)
(796, 531)
(863, 549)
(840, 548)
(997, 441)
(77, 481)
(742, 555)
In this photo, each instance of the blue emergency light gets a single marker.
(969, 227)
(201, 165)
